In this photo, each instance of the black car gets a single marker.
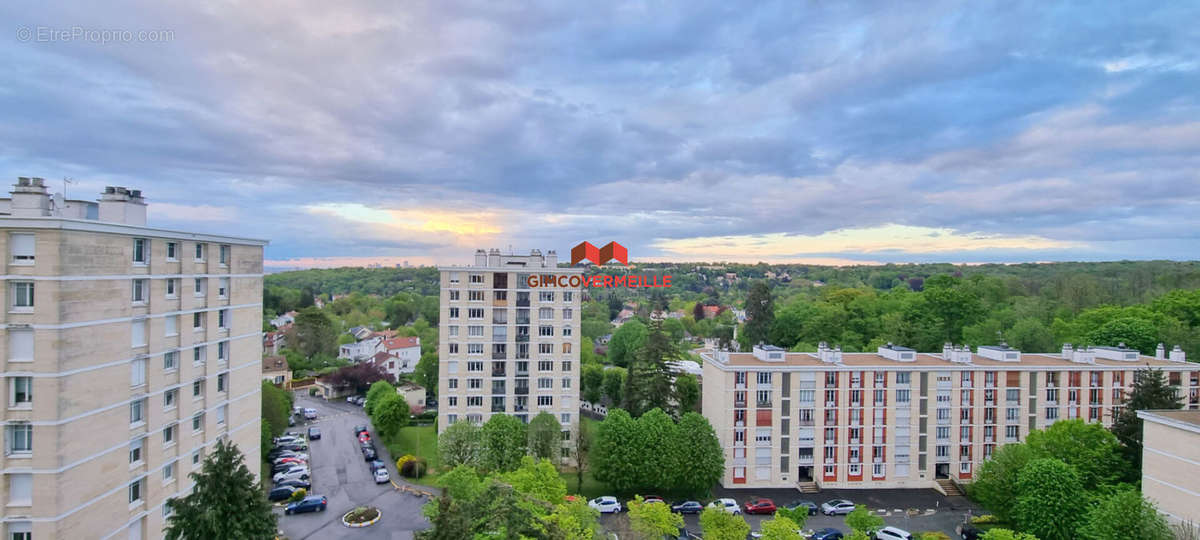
(367, 444)
(969, 532)
(687, 507)
(297, 483)
(314, 433)
(281, 493)
(376, 464)
(369, 454)
(359, 429)
(812, 506)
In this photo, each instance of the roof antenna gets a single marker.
(66, 180)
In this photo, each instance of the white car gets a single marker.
(606, 504)
(310, 413)
(298, 472)
(837, 506)
(381, 475)
(728, 505)
(892, 533)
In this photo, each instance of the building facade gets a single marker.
(129, 351)
(1171, 462)
(507, 347)
(898, 418)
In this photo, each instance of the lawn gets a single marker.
(420, 441)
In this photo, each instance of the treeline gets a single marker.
(378, 281)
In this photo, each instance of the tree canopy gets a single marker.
(225, 503)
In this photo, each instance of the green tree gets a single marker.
(461, 443)
(700, 458)
(760, 313)
(648, 384)
(798, 515)
(626, 342)
(537, 478)
(1006, 534)
(659, 461)
(673, 328)
(448, 518)
(1183, 305)
(390, 414)
(377, 390)
(426, 373)
(503, 443)
(587, 351)
(1093, 451)
(276, 408)
(718, 524)
(1124, 514)
(652, 521)
(314, 333)
(614, 385)
(687, 391)
(573, 520)
(225, 501)
(781, 528)
(545, 434)
(582, 451)
(1150, 391)
(862, 519)
(995, 485)
(463, 483)
(1134, 332)
(613, 461)
(1031, 335)
(953, 305)
(1050, 503)
(858, 535)
(591, 378)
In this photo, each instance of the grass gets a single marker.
(591, 487)
(420, 441)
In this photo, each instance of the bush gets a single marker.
(298, 495)
(313, 391)
(985, 519)
(933, 535)
(414, 468)
(404, 459)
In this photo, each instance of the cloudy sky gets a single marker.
(788, 131)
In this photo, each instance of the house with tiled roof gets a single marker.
(276, 370)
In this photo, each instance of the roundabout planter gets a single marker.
(363, 516)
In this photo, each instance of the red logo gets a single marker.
(611, 251)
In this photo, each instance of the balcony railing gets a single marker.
(522, 372)
(739, 404)
(522, 320)
(499, 355)
(522, 303)
(521, 390)
(804, 460)
(498, 373)
(522, 338)
(763, 404)
(497, 408)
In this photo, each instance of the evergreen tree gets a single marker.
(1150, 391)
(226, 502)
(760, 313)
(314, 333)
(650, 384)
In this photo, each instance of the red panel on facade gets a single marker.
(764, 417)
(741, 480)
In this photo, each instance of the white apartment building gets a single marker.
(128, 352)
(898, 418)
(506, 347)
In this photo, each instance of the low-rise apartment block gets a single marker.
(1171, 462)
(899, 418)
(128, 351)
(506, 346)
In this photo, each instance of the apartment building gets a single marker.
(1171, 462)
(898, 418)
(506, 346)
(128, 352)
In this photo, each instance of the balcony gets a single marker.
(805, 423)
(500, 302)
(740, 404)
(521, 390)
(497, 355)
(498, 373)
(805, 460)
(522, 372)
(497, 408)
(522, 303)
(522, 320)
(763, 404)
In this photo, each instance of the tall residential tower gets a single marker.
(128, 352)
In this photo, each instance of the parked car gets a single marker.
(687, 507)
(382, 476)
(298, 473)
(284, 467)
(312, 503)
(281, 493)
(368, 453)
(653, 499)
(293, 458)
(314, 433)
(376, 464)
(760, 506)
(360, 401)
(350, 399)
(728, 505)
(364, 437)
(285, 439)
(296, 484)
(310, 413)
(811, 506)
(968, 531)
(837, 506)
(828, 533)
(359, 429)
(605, 505)
(892, 533)
(291, 421)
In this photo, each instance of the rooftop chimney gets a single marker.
(1161, 352)
(29, 198)
(551, 259)
(1067, 351)
(480, 257)
(535, 256)
(493, 258)
(1177, 354)
(120, 205)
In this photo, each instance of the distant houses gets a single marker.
(284, 320)
(398, 355)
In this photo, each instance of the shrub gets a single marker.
(414, 468)
(933, 535)
(404, 459)
(313, 391)
(298, 495)
(985, 519)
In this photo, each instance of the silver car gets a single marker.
(836, 507)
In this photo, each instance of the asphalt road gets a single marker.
(340, 474)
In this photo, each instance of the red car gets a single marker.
(291, 460)
(364, 437)
(760, 506)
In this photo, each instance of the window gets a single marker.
(171, 325)
(453, 349)
(452, 401)
(476, 278)
(137, 333)
(198, 321)
(546, 313)
(137, 372)
(545, 365)
(135, 450)
(139, 250)
(566, 365)
(21, 247)
(197, 388)
(22, 295)
(20, 345)
(198, 287)
(545, 348)
(169, 398)
(565, 418)
(545, 401)
(452, 383)
(224, 254)
(903, 396)
(566, 331)
(221, 412)
(452, 331)
(545, 383)
(475, 331)
(137, 411)
(199, 251)
(1011, 432)
(223, 287)
(474, 348)
(453, 313)
(223, 351)
(20, 392)
(19, 438)
(452, 277)
(20, 530)
(168, 435)
(197, 457)
(474, 401)
(545, 296)
(223, 319)
(568, 314)
(221, 380)
(198, 422)
(135, 491)
(474, 384)
(169, 472)
(903, 377)
(172, 251)
(1051, 413)
(546, 331)
(454, 296)
(475, 296)
(172, 287)
(20, 489)
(474, 313)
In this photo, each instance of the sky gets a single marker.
(810, 132)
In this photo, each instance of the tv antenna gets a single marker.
(66, 181)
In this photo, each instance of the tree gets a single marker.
(1050, 503)
(503, 443)
(718, 524)
(583, 446)
(225, 502)
(1184, 305)
(698, 311)
(656, 455)
(781, 528)
(1135, 333)
(1030, 335)
(276, 408)
(545, 434)
(673, 328)
(654, 520)
(359, 377)
(1093, 451)
(591, 378)
(314, 333)
(626, 342)
(700, 456)
(391, 413)
(614, 385)
(460, 444)
(1124, 514)
(573, 520)
(953, 305)
(426, 372)
(612, 461)
(648, 384)
(449, 520)
(798, 515)
(687, 391)
(1150, 391)
(863, 520)
(760, 313)
(539, 479)
(377, 390)
(1006, 534)
(995, 485)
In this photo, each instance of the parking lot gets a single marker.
(342, 476)
(935, 512)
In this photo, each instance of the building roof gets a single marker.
(935, 360)
(401, 343)
(409, 386)
(275, 363)
(1188, 420)
(381, 357)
